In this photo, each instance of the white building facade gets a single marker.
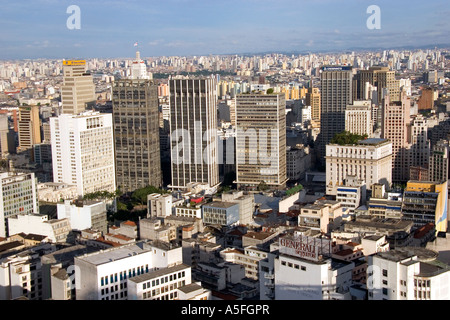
(370, 160)
(83, 151)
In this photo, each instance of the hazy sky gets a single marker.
(109, 28)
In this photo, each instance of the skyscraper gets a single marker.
(83, 151)
(261, 140)
(381, 78)
(395, 122)
(358, 118)
(439, 162)
(420, 144)
(313, 100)
(136, 134)
(78, 88)
(29, 128)
(336, 94)
(193, 132)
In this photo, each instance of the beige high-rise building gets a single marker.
(29, 127)
(261, 140)
(358, 118)
(394, 126)
(313, 100)
(381, 78)
(78, 88)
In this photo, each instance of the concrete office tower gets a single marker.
(370, 161)
(78, 88)
(358, 118)
(394, 127)
(336, 94)
(83, 151)
(261, 140)
(381, 78)
(420, 144)
(139, 68)
(136, 134)
(18, 195)
(29, 127)
(313, 100)
(193, 132)
(439, 162)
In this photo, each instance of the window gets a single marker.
(385, 273)
(385, 291)
(303, 268)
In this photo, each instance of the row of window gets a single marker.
(162, 280)
(123, 275)
(292, 265)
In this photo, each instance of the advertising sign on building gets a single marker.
(305, 247)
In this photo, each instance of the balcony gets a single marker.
(269, 276)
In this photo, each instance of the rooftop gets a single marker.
(221, 204)
(114, 254)
(159, 273)
(190, 288)
(402, 253)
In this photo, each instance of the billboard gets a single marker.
(305, 247)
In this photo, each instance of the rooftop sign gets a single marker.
(74, 62)
(337, 68)
(305, 247)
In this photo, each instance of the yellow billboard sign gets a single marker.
(74, 62)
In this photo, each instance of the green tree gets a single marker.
(269, 91)
(262, 186)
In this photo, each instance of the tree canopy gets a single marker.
(346, 138)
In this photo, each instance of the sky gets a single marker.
(31, 29)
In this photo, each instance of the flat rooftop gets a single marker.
(402, 253)
(114, 254)
(159, 273)
(373, 141)
(221, 204)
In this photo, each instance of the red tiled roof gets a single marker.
(130, 223)
(422, 231)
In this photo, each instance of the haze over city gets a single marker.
(37, 29)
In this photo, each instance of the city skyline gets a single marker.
(38, 29)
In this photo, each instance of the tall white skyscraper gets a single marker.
(193, 130)
(83, 151)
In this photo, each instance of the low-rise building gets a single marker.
(84, 214)
(221, 213)
(408, 274)
(104, 275)
(56, 230)
(173, 283)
